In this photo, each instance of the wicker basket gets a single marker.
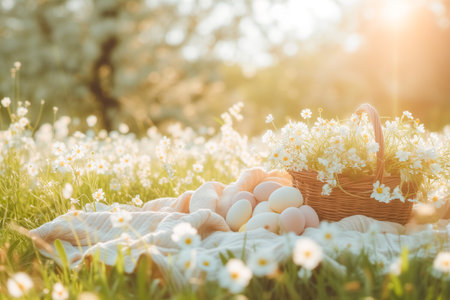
(352, 197)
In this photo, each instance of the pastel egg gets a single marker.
(268, 220)
(263, 190)
(292, 219)
(311, 217)
(244, 195)
(285, 197)
(238, 214)
(262, 207)
(281, 180)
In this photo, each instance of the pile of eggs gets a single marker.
(272, 206)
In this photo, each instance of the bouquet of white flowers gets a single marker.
(350, 167)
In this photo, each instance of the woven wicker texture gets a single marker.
(352, 197)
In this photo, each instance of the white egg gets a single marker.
(262, 207)
(285, 197)
(244, 195)
(239, 214)
(268, 220)
(263, 190)
(311, 217)
(292, 220)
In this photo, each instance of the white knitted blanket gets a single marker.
(87, 233)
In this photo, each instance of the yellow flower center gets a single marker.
(262, 262)
(308, 254)
(275, 155)
(328, 236)
(206, 263)
(234, 275)
(188, 241)
(435, 198)
(379, 190)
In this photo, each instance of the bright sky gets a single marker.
(295, 19)
(300, 20)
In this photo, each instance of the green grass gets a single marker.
(30, 208)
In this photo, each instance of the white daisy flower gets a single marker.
(408, 114)
(99, 195)
(91, 120)
(186, 260)
(207, 263)
(137, 200)
(326, 190)
(198, 167)
(23, 122)
(120, 218)
(67, 191)
(22, 111)
(123, 128)
(6, 102)
(19, 284)
(397, 194)
(59, 292)
(126, 160)
(235, 276)
(307, 253)
(402, 155)
(381, 192)
(101, 167)
(437, 199)
(306, 113)
(442, 262)
(396, 267)
(328, 234)
(185, 235)
(114, 185)
(32, 169)
(269, 118)
(262, 263)
(323, 161)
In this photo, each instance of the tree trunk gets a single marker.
(102, 83)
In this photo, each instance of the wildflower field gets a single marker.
(213, 149)
(55, 169)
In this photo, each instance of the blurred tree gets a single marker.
(147, 60)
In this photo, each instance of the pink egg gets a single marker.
(293, 220)
(244, 195)
(311, 217)
(281, 180)
(263, 190)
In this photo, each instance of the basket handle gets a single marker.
(375, 120)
